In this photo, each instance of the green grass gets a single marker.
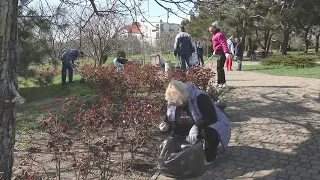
(169, 57)
(30, 113)
(313, 72)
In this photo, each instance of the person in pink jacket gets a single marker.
(220, 48)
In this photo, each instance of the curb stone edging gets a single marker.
(155, 176)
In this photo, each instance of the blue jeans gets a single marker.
(118, 65)
(66, 66)
(239, 59)
(183, 63)
(200, 58)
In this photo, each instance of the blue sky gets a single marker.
(160, 13)
(153, 11)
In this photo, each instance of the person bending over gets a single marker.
(195, 116)
(68, 63)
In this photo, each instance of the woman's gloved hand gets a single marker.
(164, 127)
(227, 55)
(193, 134)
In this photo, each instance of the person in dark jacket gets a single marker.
(195, 116)
(68, 58)
(200, 53)
(239, 53)
(183, 48)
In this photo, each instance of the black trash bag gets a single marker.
(180, 159)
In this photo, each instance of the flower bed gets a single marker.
(108, 136)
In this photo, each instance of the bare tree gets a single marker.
(165, 42)
(100, 36)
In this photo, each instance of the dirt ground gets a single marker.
(32, 152)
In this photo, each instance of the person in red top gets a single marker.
(220, 48)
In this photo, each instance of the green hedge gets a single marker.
(121, 54)
(298, 61)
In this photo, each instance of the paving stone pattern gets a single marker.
(275, 129)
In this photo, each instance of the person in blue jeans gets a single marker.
(183, 48)
(239, 53)
(118, 61)
(200, 53)
(68, 58)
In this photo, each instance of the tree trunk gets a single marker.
(8, 83)
(250, 44)
(237, 32)
(285, 41)
(306, 41)
(317, 43)
(269, 42)
(244, 34)
(266, 38)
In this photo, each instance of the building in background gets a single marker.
(154, 33)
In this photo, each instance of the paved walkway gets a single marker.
(275, 129)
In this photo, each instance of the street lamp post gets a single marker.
(143, 48)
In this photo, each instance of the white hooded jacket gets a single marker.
(230, 46)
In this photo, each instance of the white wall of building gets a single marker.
(152, 31)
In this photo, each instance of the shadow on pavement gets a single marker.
(275, 140)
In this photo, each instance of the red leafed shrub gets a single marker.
(200, 77)
(132, 77)
(177, 74)
(153, 78)
(88, 123)
(103, 76)
(138, 79)
(59, 142)
(140, 117)
(125, 113)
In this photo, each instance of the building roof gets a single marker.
(133, 28)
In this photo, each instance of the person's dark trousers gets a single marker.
(220, 67)
(239, 59)
(200, 58)
(211, 138)
(184, 61)
(66, 66)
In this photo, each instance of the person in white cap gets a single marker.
(220, 48)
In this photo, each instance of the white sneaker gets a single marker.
(220, 85)
(224, 85)
(206, 163)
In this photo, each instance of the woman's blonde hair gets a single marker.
(177, 93)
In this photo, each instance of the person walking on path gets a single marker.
(220, 48)
(231, 49)
(239, 53)
(200, 53)
(183, 48)
(68, 58)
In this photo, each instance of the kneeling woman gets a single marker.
(195, 116)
